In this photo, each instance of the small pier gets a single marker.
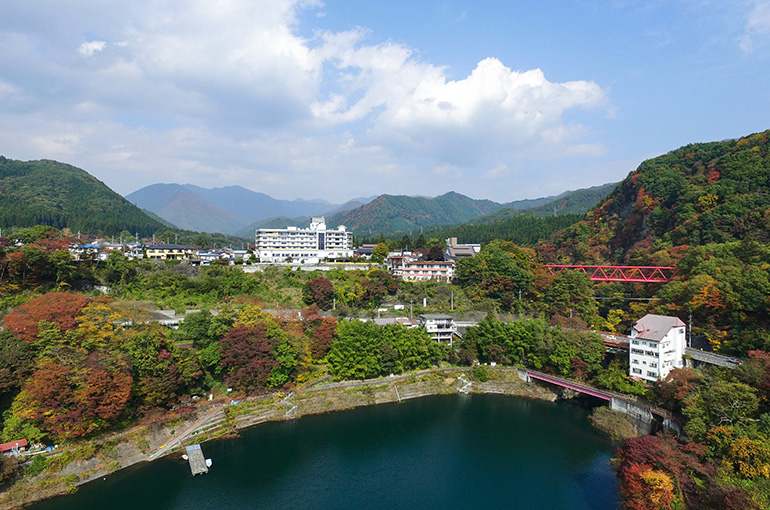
(198, 464)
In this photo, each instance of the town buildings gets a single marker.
(309, 245)
(411, 268)
(657, 345)
(171, 252)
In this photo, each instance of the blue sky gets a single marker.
(340, 99)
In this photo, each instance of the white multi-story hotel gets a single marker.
(309, 245)
(657, 344)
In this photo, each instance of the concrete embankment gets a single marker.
(144, 444)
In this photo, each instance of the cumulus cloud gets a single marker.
(230, 90)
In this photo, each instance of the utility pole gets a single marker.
(689, 333)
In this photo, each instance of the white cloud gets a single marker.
(89, 48)
(757, 25)
(227, 92)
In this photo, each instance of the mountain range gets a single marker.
(239, 211)
(700, 193)
(228, 210)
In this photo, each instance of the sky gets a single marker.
(500, 100)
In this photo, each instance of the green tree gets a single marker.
(380, 252)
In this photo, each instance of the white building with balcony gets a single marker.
(410, 268)
(657, 344)
(441, 328)
(310, 245)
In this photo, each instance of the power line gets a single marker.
(630, 299)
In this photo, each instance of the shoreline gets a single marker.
(148, 443)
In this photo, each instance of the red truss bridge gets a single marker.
(636, 274)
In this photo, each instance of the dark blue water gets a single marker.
(455, 451)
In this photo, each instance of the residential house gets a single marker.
(456, 251)
(441, 328)
(13, 447)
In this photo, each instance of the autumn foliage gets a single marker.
(59, 308)
(248, 357)
(71, 402)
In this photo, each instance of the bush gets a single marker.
(34, 468)
(480, 374)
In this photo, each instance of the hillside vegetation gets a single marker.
(699, 194)
(571, 202)
(391, 213)
(58, 195)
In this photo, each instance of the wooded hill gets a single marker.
(394, 213)
(698, 194)
(55, 194)
(525, 224)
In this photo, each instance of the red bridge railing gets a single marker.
(638, 274)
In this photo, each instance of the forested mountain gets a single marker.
(702, 193)
(50, 193)
(570, 202)
(391, 213)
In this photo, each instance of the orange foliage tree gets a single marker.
(69, 402)
(59, 308)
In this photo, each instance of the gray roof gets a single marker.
(655, 327)
(435, 316)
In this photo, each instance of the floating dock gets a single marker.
(198, 464)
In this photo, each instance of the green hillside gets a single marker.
(49, 193)
(390, 213)
(571, 202)
(523, 229)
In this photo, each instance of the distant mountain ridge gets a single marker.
(186, 209)
(230, 209)
(59, 195)
(238, 211)
(570, 202)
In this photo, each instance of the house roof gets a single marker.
(6, 447)
(170, 247)
(461, 251)
(655, 327)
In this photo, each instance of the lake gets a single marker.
(452, 451)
